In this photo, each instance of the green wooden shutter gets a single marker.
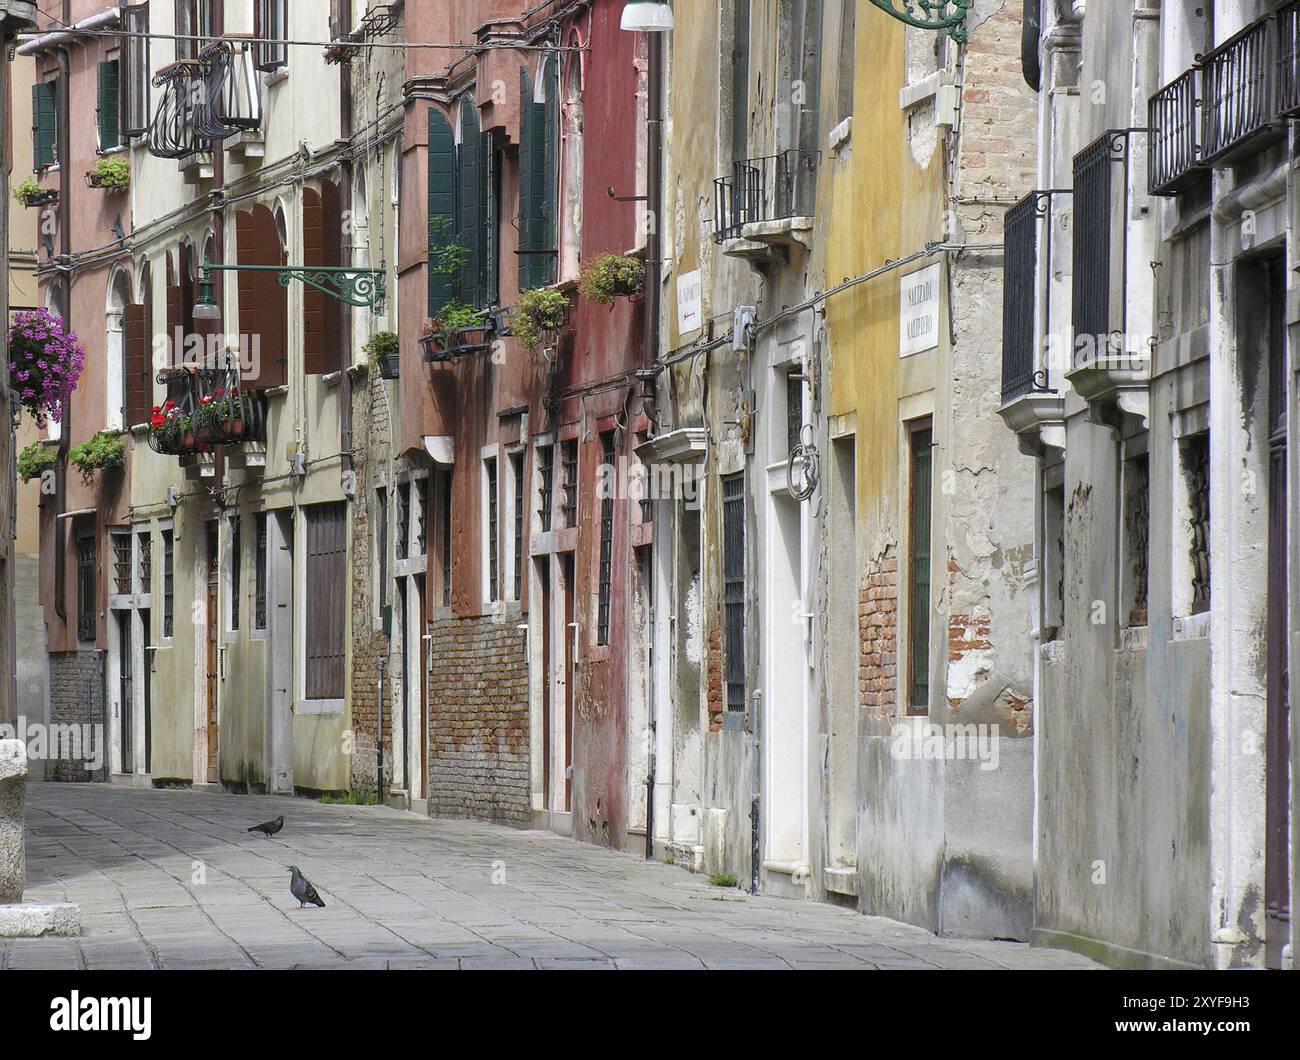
(442, 202)
(468, 201)
(109, 106)
(740, 82)
(527, 154)
(548, 208)
(487, 216)
(44, 123)
(537, 184)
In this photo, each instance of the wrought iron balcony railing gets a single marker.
(1288, 61)
(206, 407)
(173, 133)
(1020, 372)
(1173, 142)
(764, 189)
(231, 97)
(1239, 84)
(1100, 229)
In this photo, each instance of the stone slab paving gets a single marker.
(171, 879)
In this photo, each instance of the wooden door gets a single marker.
(126, 696)
(548, 652)
(213, 664)
(570, 674)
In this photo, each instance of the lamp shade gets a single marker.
(647, 16)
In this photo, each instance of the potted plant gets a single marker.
(170, 429)
(45, 362)
(456, 326)
(105, 450)
(539, 314)
(35, 460)
(113, 174)
(611, 276)
(220, 417)
(29, 193)
(382, 352)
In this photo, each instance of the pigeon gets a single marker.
(300, 887)
(270, 827)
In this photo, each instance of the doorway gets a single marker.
(842, 620)
(125, 693)
(548, 626)
(210, 625)
(567, 567)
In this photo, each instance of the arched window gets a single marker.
(119, 297)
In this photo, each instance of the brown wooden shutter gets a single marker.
(313, 301)
(263, 303)
(326, 573)
(336, 316)
(175, 328)
(139, 386)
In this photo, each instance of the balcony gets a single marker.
(1288, 61)
(173, 133)
(1031, 407)
(206, 100)
(1173, 143)
(204, 408)
(1239, 94)
(766, 205)
(1110, 367)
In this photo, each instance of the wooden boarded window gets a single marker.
(538, 153)
(136, 364)
(918, 567)
(326, 576)
(606, 572)
(322, 244)
(263, 303)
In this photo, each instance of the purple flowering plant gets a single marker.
(45, 362)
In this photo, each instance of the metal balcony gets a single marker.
(173, 133)
(1020, 373)
(231, 100)
(207, 407)
(1173, 142)
(1288, 61)
(1239, 90)
(759, 191)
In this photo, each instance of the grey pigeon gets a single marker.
(270, 827)
(300, 887)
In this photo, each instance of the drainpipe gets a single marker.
(65, 250)
(379, 737)
(654, 266)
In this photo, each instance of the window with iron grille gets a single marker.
(608, 457)
(1196, 472)
(1100, 182)
(121, 563)
(381, 547)
(422, 516)
(793, 408)
(444, 501)
(493, 540)
(169, 582)
(325, 575)
(517, 469)
(235, 570)
(144, 542)
(546, 481)
(86, 562)
(569, 488)
(259, 573)
(403, 518)
(733, 588)
(918, 569)
(1137, 537)
(271, 23)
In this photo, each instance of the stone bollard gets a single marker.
(13, 797)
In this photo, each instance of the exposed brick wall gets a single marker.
(878, 633)
(77, 698)
(716, 699)
(478, 722)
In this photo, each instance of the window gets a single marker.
(607, 457)
(739, 74)
(194, 18)
(493, 543)
(144, 545)
(442, 210)
(848, 44)
(918, 568)
(235, 571)
(517, 470)
(169, 582)
(475, 209)
(381, 548)
(109, 112)
(545, 484)
(1053, 561)
(1196, 479)
(45, 124)
(733, 589)
(421, 516)
(86, 563)
(444, 503)
(1136, 518)
(569, 487)
(121, 562)
(259, 573)
(322, 247)
(794, 408)
(538, 152)
(271, 20)
(326, 575)
(403, 519)
(135, 70)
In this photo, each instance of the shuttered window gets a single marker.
(322, 239)
(136, 363)
(263, 303)
(740, 81)
(733, 588)
(87, 569)
(918, 568)
(475, 212)
(326, 573)
(45, 123)
(169, 582)
(235, 565)
(606, 572)
(442, 205)
(493, 530)
(109, 112)
(271, 26)
(135, 70)
(538, 155)
(259, 573)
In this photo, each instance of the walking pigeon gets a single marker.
(300, 887)
(270, 827)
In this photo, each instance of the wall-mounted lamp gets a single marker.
(647, 16)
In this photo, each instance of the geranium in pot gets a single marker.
(219, 418)
(170, 430)
(45, 362)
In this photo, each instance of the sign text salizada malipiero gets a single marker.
(918, 311)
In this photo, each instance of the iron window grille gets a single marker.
(546, 478)
(259, 574)
(569, 489)
(169, 583)
(1174, 144)
(445, 501)
(122, 563)
(1100, 213)
(1020, 371)
(772, 188)
(517, 469)
(1288, 61)
(494, 569)
(403, 519)
(608, 457)
(173, 132)
(236, 547)
(86, 563)
(1239, 88)
(144, 541)
(231, 101)
(1196, 468)
(793, 408)
(919, 569)
(733, 589)
(422, 517)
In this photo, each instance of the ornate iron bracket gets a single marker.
(355, 286)
(949, 15)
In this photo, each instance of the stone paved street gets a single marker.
(171, 879)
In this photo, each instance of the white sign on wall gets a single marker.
(689, 304)
(918, 311)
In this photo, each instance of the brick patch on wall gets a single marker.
(878, 634)
(77, 698)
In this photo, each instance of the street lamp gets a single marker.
(647, 16)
